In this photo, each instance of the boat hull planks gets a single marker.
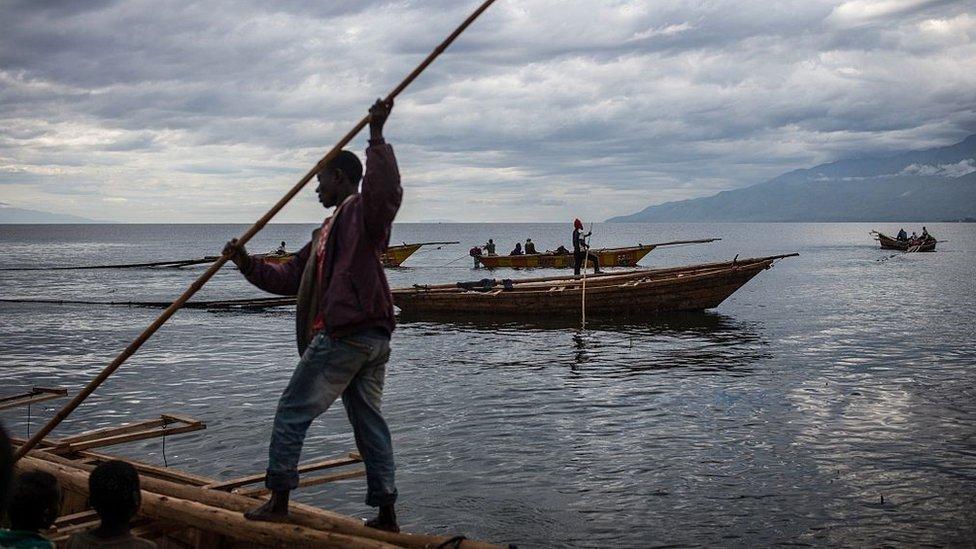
(634, 294)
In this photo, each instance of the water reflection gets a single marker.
(698, 341)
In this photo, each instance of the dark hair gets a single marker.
(349, 164)
(6, 468)
(36, 499)
(113, 490)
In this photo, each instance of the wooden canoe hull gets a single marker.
(609, 257)
(636, 294)
(888, 243)
(393, 257)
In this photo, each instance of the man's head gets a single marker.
(578, 224)
(339, 179)
(113, 490)
(34, 502)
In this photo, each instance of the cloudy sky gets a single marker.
(170, 111)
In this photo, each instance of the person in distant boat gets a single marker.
(344, 322)
(914, 237)
(517, 250)
(902, 235)
(562, 250)
(581, 250)
(490, 247)
(529, 246)
(925, 233)
(475, 253)
(281, 249)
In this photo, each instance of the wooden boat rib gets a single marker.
(181, 509)
(635, 293)
(888, 243)
(609, 257)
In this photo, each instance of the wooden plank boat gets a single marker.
(632, 294)
(393, 257)
(888, 243)
(609, 257)
(181, 509)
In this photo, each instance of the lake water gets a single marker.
(784, 416)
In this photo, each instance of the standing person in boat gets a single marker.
(529, 247)
(581, 250)
(344, 322)
(490, 247)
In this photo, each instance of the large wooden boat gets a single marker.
(183, 510)
(393, 257)
(609, 257)
(632, 294)
(888, 243)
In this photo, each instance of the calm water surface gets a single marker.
(782, 417)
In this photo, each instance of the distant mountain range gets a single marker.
(929, 185)
(9, 214)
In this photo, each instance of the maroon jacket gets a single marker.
(354, 295)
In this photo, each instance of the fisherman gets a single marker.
(344, 322)
(925, 234)
(517, 250)
(902, 235)
(475, 253)
(490, 247)
(581, 250)
(562, 250)
(281, 249)
(529, 247)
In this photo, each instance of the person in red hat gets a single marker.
(581, 250)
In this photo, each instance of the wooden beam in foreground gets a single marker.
(37, 394)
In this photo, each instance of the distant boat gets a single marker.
(631, 294)
(609, 257)
(888, 243)
(393, 257)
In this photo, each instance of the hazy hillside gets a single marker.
(930, 185)
(9, 214)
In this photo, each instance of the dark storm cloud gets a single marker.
(625, 103)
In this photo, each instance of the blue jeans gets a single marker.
(354, 367)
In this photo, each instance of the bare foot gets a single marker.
(267, 513)
(386, 525)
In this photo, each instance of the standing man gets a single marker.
(581, 250)
(490, 247)
(343, 325)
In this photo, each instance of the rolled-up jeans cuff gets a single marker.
(278, 481)
(379, 500)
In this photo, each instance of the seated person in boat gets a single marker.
(281, 249)
(345, 319)
(925, 234)
(113, 491)
(581, 249)
(530, 246)
(902, 235)
(562, 250)
(517, 250)
(490, 247)
(34, 505)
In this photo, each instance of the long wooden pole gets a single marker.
(212, 270)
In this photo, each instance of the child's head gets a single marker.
(34, 502)
(113, 491)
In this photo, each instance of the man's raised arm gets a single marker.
(381, 191)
